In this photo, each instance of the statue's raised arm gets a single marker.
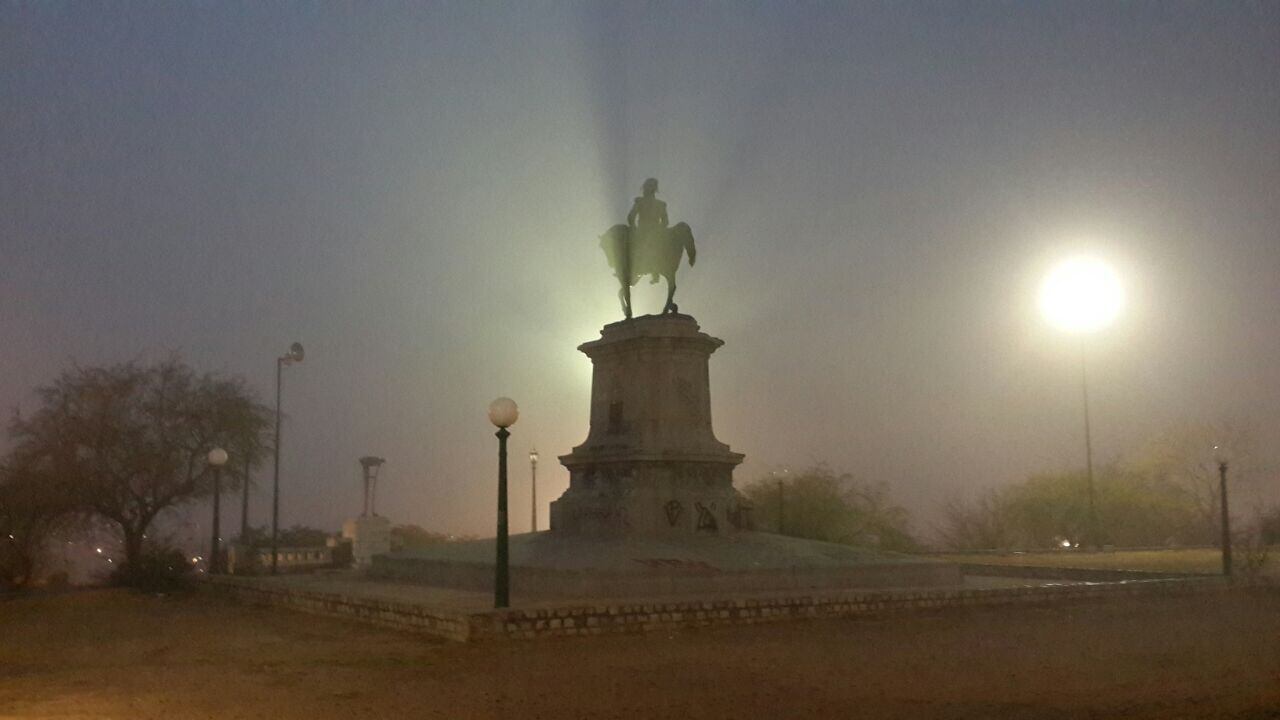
(647, 246)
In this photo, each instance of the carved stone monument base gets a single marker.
(651, 463)
(651, 509)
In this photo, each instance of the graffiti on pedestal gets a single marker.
(673, 509)
(706, 518)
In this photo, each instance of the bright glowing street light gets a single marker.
(1083, 295)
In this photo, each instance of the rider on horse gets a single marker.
(648, 222)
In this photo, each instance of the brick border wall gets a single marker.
(647, 617)
(640, 617)
(387, 613)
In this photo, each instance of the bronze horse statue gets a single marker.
(656, 255)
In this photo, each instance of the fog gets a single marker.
(416, 193)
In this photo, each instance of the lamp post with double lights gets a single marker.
(217, 458)
(503, 414)
(294, 355)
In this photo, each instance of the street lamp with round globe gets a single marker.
(502, 413)
(1082, 295)
(216, 458)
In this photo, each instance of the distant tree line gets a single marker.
(1165, 493)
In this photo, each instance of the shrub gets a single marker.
(158, 570)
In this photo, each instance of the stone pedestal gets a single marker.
(369, 535)
(651, 463)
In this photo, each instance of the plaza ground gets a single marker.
(108, 653)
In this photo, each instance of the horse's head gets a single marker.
(682, 236)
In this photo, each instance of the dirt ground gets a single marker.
(112, 654)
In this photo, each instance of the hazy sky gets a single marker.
(414, 191)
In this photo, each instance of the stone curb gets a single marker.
(667, 615)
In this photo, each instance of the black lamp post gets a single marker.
(502, 413)
(217, 458)
(244, 502)
(1226, 514)
(533, 486)
(293, 356)
(370, 464)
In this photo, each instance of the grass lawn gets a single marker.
(111, 654)
(1206, 560)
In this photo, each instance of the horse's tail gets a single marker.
(684, 238)
(614, 243)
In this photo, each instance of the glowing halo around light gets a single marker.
(1081, 295)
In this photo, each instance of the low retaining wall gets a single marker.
(661, 581)
(398, 615)
(643, 617)
(639, 617)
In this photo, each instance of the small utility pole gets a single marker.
(781, 498)
(1226, 518)
(533, 486)
(244, 503)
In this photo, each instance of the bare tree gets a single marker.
(980, 524)
(130, 441)
(32, 508)
(1186, 457)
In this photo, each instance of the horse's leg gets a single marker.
(671, 294)
(624, 297)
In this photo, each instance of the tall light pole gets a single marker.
(502, 413)
(1226, 511)
(1083, 295)
(533, 487)
(293, 356)
(370, 465)
(217, 458)
(244, 501)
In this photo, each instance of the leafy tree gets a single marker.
(129, 441)
(296, 536)
(821, 504)
(1133, 509)
(301, 536)
(412, 537)
(1269, 526)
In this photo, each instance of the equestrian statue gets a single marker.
(646, 246)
